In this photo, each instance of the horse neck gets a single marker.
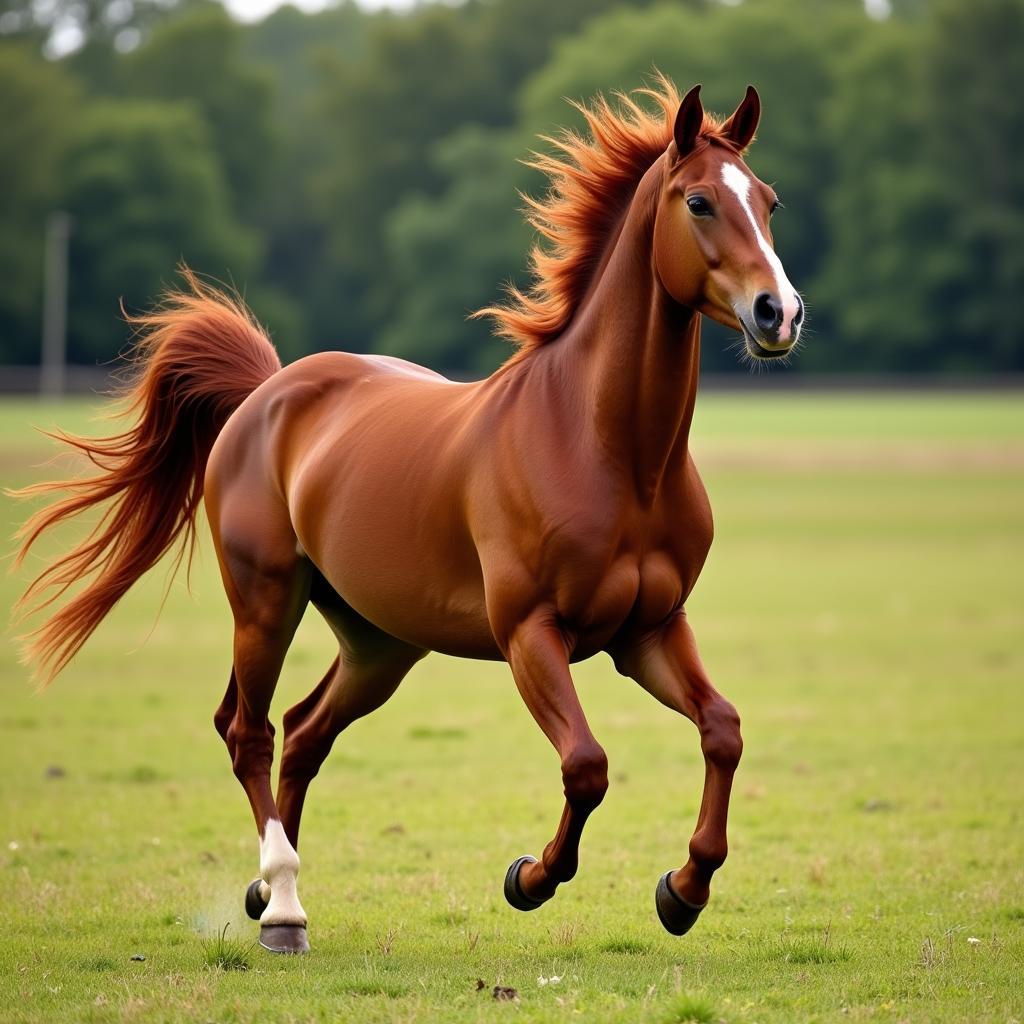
(635, 353)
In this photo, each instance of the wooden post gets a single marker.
(55, 305)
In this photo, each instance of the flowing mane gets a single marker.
(591, 181)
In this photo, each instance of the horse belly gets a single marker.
(416, 603)
(393, 546)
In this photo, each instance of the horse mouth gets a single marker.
(758, 351)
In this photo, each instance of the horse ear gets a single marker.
(740, 128)
(689, 121)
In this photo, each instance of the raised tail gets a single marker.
(195, 359)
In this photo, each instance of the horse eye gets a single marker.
(776, 205)
(699, 206)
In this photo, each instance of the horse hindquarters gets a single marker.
(269, 583)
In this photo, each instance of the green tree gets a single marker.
(448, 254)
(197, 58)
(926, 265)
(145, 191)
(884, 266)
(421, 77)
(73, 24)
(38, 104)
(289, 44)
(972, 62)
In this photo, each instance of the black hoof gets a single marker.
(513, 893)
(284, 938)
(674, 912)
(254, 902)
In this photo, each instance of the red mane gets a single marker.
(591, 181)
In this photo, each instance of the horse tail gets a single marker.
(194, 359)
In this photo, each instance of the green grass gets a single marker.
(865, 616)
(224, 954)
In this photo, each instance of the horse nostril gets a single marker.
(799, 318)
(767, 312)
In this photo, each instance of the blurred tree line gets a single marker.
(355, 173)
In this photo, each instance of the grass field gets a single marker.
(863, 608)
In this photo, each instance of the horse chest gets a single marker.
(649, 570)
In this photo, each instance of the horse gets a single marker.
(539, 516)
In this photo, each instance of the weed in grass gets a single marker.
(816, 872)
(565, 934)
(628, 947)
(386, 942)
(813, 950)
(690, 1010)
(930, 956)
(224, 954)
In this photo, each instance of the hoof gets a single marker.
(674, 912)
(513, 892)
(284, 938)
(254, 902)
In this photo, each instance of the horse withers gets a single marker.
(539, 516)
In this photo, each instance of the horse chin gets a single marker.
(757, 351)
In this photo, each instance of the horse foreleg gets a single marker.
(668, 667)
(537, 655)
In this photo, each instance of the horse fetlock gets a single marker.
(279, 869)
(562, 869)
(708, 852)
(284, 907)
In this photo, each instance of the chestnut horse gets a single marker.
(539, 516)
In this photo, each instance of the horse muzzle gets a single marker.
(765, 331)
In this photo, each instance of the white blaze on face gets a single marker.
(738, 182)
(279, 869)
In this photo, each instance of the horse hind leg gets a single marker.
(268, 587)
(369, 668)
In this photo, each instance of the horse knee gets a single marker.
(585, 775)
(252, 752)
(721, 740)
